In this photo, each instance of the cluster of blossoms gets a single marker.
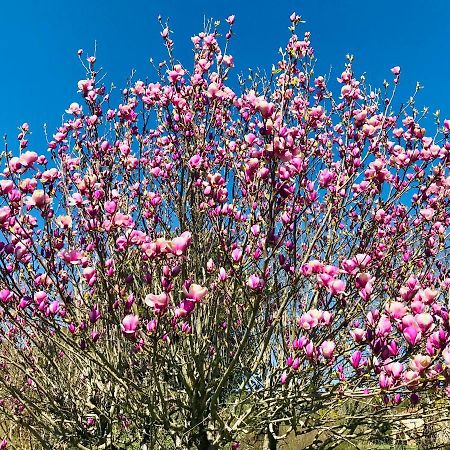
(202, 252)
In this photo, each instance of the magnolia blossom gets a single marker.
(184, 308)
(5, 295)
(337, 287)
(397, 310)
(327, 349)
(179, 244)
(355, 359)
(236, 255)
(427, 213)
(446, 355)
(412, 335)
(424, 321)
(395, 369)
(74, 109)
(195, 293)
(158, 302)
(129, 325)
(6, 186)
(255, 282)
(28, 158)
(90, 275)
(39, 199)
(64, 222)
(420, 362)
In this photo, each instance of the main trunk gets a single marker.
(203, 442)
(270, 443)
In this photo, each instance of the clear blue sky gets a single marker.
(39, 40)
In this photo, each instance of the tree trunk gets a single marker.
(270, 443)
(203, 442)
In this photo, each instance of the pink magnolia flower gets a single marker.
(54, 307)
(177, 73)
(386, 382)
(331, 270)
(129, 325)
(337, 287)
(184, 308)
(327, 349)
(255, 282)
(195, 162)
(152, 325)
(326, 177)
(64, 222)
(123, 220)
(85, 85)
(195, 292)
(362, 260)
(412, 335)
(310, 350)
(364, 281)
(308, 321)
(236, 255)
(90, 275)
(396, 70)
(223, 276)
(355, 359)
(95, 314)
(358, 334)
(186, 328)
(179, 244)
(6, 186)
(158, 302)
(210, 266)
(384, 327)
(325, 279)
(395, 369)
(373, 316)
(110, 207)
(49, 176)
(420, 362)
(424, 321)
(72, 256)
(230, 19)
(350, 266)
(446, 355)
(5, 214)
(28, 158)
(427, 213)
(255, 229)
(409, 377)
(39, 199)
(396, 310)
(265, 108)
(326, 318)
(316, 266)
(5, 295)
(15, 166)
(300, 342)
(74, 109)
(427, 295)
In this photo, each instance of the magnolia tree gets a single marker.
(203, 259)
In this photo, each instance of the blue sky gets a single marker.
(39, 41)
